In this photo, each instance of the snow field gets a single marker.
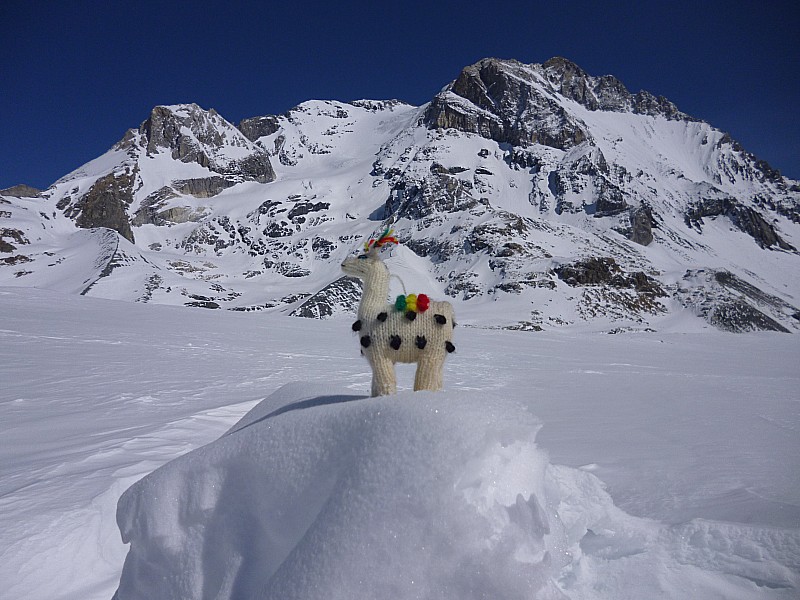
(578, 464)
(420, 495)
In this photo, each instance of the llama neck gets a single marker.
(375, 293)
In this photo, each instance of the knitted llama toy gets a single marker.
(413, 329)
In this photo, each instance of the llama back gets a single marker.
(406, 336)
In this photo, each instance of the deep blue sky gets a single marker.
(74, 76)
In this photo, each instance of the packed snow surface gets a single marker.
(241, 457)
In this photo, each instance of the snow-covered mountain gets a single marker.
(533, 196)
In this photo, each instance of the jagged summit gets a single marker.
(178, 150)
(606, 92)
(192, 134)
(557, 195)
(521, 104)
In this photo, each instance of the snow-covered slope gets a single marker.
(537, 196)
(318, 495)
(572, 464)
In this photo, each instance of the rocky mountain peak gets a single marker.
(605, 92)
(595, 93)
(511, 102)
(193, 134)
(535, 186)
(563, 67)
(213, 153)
(507, 102)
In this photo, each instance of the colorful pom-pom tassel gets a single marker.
(423, 303)
(411, 302)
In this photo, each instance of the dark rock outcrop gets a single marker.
(343, 294)
(189, 134)
(104, 205)
(206, 187)
(605, 92)
(148, 211)
(738, 316)
(257, 127)
(641, 231)
(488, 99)
(439, 192)
(595, 93)
(503, 100)
(210, 133)
(730, 303)
(606, 271)
(15, 236)
(745, 218)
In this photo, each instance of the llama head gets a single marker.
(366, 266)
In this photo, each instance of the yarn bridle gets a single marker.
(385, 239)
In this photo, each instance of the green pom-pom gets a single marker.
(400, 303)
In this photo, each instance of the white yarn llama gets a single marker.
(412, 330)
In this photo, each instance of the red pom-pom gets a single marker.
(423, 303)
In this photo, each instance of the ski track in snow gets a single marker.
(694, 435)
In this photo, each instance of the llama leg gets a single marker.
(384, 381)
(429, 374)
(440, 375)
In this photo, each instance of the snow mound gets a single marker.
(417, 495)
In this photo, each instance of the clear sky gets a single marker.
(75, 75)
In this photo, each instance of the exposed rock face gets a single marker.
(730, 303)
(202, 188)
(257, 127)
(105, 205)
(738, 316)
(11, 238)
(607, 290)
(149, 211)
(488, 99)
(606, 271)
(605, 92)
(595, 93)
(641, 225)
(344, 292)
(744, 217)
(21, 191)
(436, 193)
(503, 100)
(192, 134)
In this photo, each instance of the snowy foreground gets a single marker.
(563, 464)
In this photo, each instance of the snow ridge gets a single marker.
(418, 495)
